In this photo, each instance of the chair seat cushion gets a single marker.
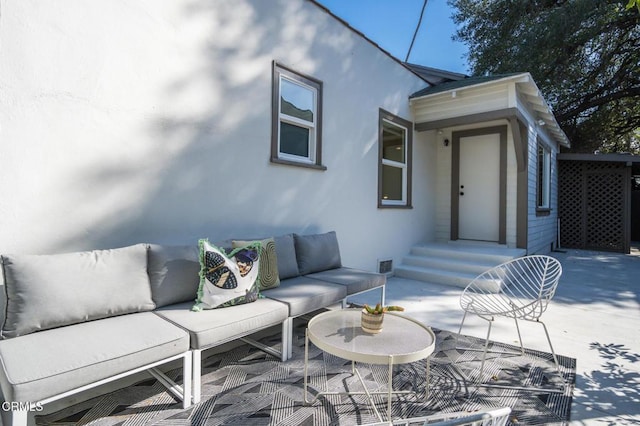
(47, 363)
(304, 294)
(216, 326)
(356, 280)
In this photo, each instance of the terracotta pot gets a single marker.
(371, 323)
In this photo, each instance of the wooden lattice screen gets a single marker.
(593, 205)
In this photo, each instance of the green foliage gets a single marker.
(583, 54)
(379, 309)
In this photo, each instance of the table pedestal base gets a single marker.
(390, 392)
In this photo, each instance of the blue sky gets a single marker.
(391, 24)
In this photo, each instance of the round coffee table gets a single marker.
(402, 340)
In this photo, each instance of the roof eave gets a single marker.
(546, 115)
(517, 78)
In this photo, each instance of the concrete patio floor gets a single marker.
(594, 317)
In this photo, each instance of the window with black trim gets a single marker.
(296, 136)
(394, 165)
(543, 178)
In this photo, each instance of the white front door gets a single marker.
(479, 191)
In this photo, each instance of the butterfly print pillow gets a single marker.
(227, 280)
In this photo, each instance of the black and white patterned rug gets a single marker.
(245, 386)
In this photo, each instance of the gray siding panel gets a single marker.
(542, 229)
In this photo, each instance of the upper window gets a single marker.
(297, 119)
(544, 177)
(394, 169)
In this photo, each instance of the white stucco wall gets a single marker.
(143, 121)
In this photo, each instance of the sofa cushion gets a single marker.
(48, 363)
(268, 273)
(356, 280)
(227, 280)
(286, 254)
(47, 291)
(173, 273)
(216, 326)
(304, 294)
(318, 252)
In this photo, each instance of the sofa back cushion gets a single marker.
(48, 291)
(318, 252)
(286, 255)
(173, 273)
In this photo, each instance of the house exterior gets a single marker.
(497, 143)
(138, 121)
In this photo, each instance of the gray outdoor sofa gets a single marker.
(74, 321)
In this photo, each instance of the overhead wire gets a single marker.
(415, 34)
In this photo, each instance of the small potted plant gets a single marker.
(371, 321)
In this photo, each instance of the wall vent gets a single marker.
(385, 266)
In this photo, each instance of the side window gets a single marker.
(394, 165)
(296, 136)
(543, 178)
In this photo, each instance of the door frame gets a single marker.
(455, 178)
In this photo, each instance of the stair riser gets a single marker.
(453, 264)
(446, 264)
(431, 276)
(488, 258)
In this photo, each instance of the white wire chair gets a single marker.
(491, 417)
(520, 289)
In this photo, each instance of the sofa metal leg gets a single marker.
(285, 340)
(19, 418)
(196, 371)
(287, 337)
(187, 377)
(289, 325)
(181, 392)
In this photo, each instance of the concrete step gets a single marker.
(474, 252)
(471, 266)
(435, 276)
(455, 263)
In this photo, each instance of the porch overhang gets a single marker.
(481, 99)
